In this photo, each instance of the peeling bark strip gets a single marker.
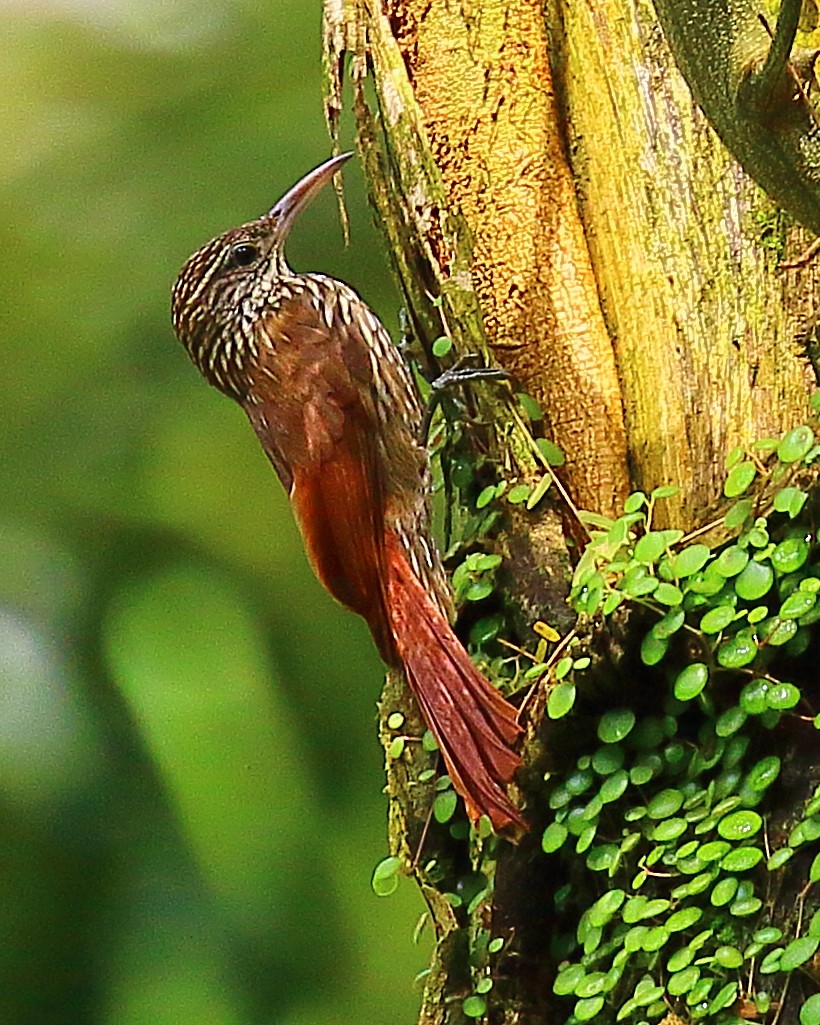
(480, 79)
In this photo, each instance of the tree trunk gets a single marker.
(553, 199)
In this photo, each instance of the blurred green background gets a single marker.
(190, 783)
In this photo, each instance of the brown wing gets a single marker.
(315, 418)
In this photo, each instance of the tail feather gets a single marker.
(474, 726)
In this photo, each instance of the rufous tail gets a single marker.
(474, 726)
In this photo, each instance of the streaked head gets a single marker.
(224, 287)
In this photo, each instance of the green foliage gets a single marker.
(668, 806)
(186, 761)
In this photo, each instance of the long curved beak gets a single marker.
(294, 201)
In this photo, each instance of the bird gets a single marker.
(335, 407)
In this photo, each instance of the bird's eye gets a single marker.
(243, 254)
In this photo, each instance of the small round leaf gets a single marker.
(561, 699)
(798, 952)
(737, 651)
(795, 444)
(691, 681)
(615, 725)
(385, 878)
(754, 580)
(739, 478)
(554, 836)
(739, 825)
(810, 1011)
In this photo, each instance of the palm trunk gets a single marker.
(548, 175)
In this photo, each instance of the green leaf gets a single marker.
(635, 502)
(607, 759)
(428, 741)
(754, 580)
(730, 721)
(728, 957)
(655, 939)
(681, 959)
(795, 444)
(530, 406)
(739, 825)
(538, 492)
(741, 859)
(779, 858)
(790, 555)
(479, 590)
(474, 1006)
(563, 667)
(717, 619)
(737, 651)
(810, 1011)
(738, 514)
(613, 600)
(745, 906)
(689, 560)
(723, 998)
(560, 700)
(518, 494)
(771, 962)
(637, 582)
(591, 985)
(603, 858)
(553, 455)
(739, 478)
(691, 681)
(814, 871)
(797, 604)
(798, 952)
(731, 561)
(795, 498)
(614, 786)
(634, 911)
(724, 891)
(764, 773)
(385, 878)
(778, 631)
(485, 497)
(554, 836)
(441, 346)
(568, 979)
(782, 696)
(714, 850)
(681, 982)
(586, 1010)
(684, 918)
(734, 456)
(664, 804)
(605, 907)
(653, 648)
(615, 725)
(665, 491)
(669, 829)
(753, 697)
(669, 624)
(668, 594)
(708, 581)
(444, 806)
(650, 547)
